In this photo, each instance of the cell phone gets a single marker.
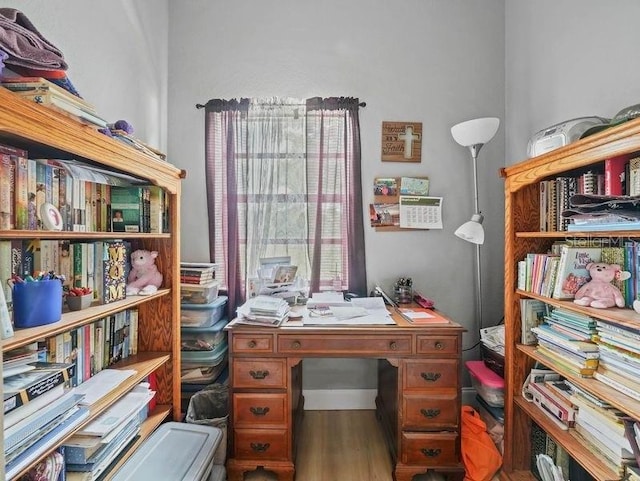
(423, 301)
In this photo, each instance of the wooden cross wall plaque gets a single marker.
(402, 141)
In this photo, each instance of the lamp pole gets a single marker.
(475, 149)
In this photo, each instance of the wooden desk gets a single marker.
(418, 402)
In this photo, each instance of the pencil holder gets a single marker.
(37, 303)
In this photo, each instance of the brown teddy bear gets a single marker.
(599, 292)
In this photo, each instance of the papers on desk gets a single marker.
(363, 311)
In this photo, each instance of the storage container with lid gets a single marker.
(175, 451)
(199, 293)
(202, 315)
(203, 338)
(203, 367)
(487, 383)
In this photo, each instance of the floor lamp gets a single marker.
(474, 134)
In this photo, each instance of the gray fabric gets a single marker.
(25, 46)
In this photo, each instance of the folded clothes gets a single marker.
(25, 46)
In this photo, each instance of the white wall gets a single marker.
(567, 59)
(429, 61)
(117, 55)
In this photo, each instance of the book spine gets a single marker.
(614, 168)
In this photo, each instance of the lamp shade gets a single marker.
(472, 231)
(476, 131)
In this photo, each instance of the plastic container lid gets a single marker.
(217, 327)
(485, 375)
(175, 451)
(209, 358)
(218, 302)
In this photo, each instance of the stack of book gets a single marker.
(90, 452)
(601, 428)
(38, 412)
(619, 365)
(553, 397)
(263, 311)
(564, 339)
(42, 91)
(197, 272)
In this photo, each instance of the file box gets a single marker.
(487, 383)
(203, 338)
(199, 293)
(176, 452)
(202, 315)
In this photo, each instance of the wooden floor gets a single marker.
(339, 445)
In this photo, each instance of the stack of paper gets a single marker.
(263, 311)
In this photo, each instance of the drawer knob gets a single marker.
(258, 411)
(430, 413)
(393, 345)
(439, 346)
(430, 376)
(260, 447)
(259, 374)
(252, 344)
(296, 344)
(431, 453)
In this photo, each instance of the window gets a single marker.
(283, 179)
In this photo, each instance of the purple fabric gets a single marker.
(3, 57)
(25, 45)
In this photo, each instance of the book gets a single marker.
(45, 442)
(572, 270)
(614, 168)
(18, 157)
(422, 316)
(41, 84)
(532, 314)
(7, 186)
(114, 259)
(21, 389)
(127, 209)
(6, 328)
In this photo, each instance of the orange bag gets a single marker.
(481, 458)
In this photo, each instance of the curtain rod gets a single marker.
(361, 104)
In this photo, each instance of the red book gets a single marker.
(614, 175)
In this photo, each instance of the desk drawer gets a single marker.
(438, 345)
(261, 444)
(431, 374)
(430, 449)
(430, 413)
(259, 373)
(246, 343)
(259, 410)
(328, 344)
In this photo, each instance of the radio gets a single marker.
(561, 134)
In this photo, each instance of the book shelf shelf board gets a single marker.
(617, 140)
(574, 447)
(144, 364)
(73, 319)
(625, 317)
(614, 397)
(23, 121)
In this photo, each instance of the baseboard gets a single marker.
(339, 399)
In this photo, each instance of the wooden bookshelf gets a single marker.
(45, 133)
(522, 221)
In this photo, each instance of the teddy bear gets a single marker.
(599, 292)
(144, 277)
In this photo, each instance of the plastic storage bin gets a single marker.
(487, 383)
(37, 303)
(202, 315)
(493, 417)
(199, 293)
(203, 338)
(203, 367)
(175, 451)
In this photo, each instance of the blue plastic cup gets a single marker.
(37, 303)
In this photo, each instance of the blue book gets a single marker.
(42, 445)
